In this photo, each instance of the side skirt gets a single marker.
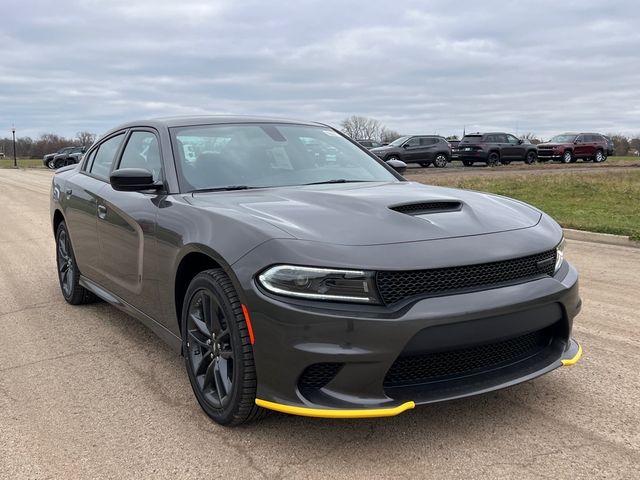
(172, 340)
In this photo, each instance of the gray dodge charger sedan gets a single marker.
(297, 272)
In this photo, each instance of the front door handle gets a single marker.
(102, 211)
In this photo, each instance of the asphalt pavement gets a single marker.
(88, 392)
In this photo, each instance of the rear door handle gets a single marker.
(102, 211)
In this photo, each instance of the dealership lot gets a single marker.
(87, 392)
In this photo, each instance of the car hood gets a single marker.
(384, 149)
(360, 214)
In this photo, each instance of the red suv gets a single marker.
(569, 147)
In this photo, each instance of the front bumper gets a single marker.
(366, 341)
(542, 155)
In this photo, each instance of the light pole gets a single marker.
(15, 159)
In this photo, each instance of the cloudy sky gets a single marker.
(418, 66)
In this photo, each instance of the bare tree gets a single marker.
(364, 128)
(387, 135)
(634, 145)
(532, 137)
(86, 139)
(620, 144)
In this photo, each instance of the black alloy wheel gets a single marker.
(530, 159)
(440, 161)
(217, 350)
(68, 273)
(493, 159)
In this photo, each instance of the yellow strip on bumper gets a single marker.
(329, 413)
(574, 359)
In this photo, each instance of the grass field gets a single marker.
(22, 163)
(608, 202)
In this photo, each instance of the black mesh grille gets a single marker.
(318, 375)
(396, 286)
(418, 369)
(427, 207)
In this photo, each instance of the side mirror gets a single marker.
(133, 180)
(520, 142)
(398, 165)
(405, 146)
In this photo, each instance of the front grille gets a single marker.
(317, 376)
(396, 286)
(427, 207)
(420, 369)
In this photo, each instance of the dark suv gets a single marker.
(569, 147)
(494, 148)
(69, 156)
(422, 149)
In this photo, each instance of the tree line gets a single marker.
(365, 128)
(27, 147)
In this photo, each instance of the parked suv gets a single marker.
(422, 149)
(70, 156)
(47, 160)
(569, 147)
(495, 148)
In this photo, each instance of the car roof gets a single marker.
(185, 121)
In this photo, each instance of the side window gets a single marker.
(103, 159)
(413, 142)
(580, 139)
(512, 140)
(427, 141)
(90, 159)
(491, 139)
(142, 151)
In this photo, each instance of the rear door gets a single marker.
(81, 201)
(127, 223)
(429, 146)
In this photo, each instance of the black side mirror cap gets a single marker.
(406, 145)
(133, 180)
(398, 165)
(520, 142)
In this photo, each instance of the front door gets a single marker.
(512, 149)
(127, 224)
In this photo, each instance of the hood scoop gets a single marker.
(423, 208)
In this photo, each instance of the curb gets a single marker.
(606, 238)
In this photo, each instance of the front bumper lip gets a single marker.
(571, 356)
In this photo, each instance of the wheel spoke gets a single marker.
(202, 364)
(200, 325)
(196, 336)
(209, 380)
(218, 375)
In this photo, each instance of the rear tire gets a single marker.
(467, 163)
(599, 157)
(217, 350)
(493, 159)
(68, 273)
(440, 161)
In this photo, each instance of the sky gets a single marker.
(420, 67)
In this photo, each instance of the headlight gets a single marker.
(320, 283)
(559, 255)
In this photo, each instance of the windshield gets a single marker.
(563, 139)
(399, 141)
(269, 155)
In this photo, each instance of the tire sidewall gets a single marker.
(567, 157)
(443, 160)
(493, 159)
(62, 227)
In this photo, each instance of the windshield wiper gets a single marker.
(337, 180)
(227, 188)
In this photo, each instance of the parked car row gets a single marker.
(64, 156)
(492, 148)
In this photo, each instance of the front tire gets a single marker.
(567, 157)
(217, 350)
(51, 164)
(440, 161)
(530, 159)
(467, 163)
(68, 273)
